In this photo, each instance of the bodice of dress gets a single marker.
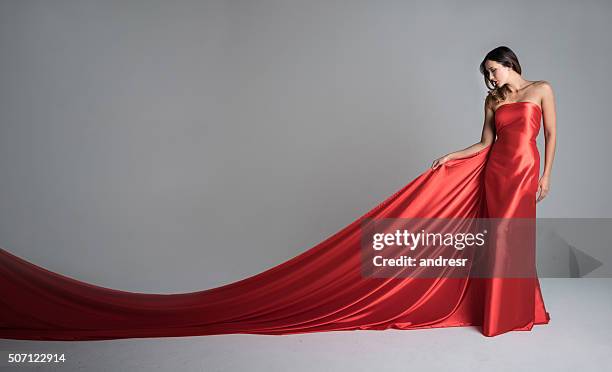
(518, 122)
(511, 176)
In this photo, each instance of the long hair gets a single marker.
(504, 56)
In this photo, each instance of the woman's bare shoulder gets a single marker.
(543, 88)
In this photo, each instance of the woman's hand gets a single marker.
(543, 187)
(438, 162)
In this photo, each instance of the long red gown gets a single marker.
(321, 289)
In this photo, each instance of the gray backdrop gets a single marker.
(176, 146)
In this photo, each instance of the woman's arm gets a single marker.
(487, 137)
(550, 138)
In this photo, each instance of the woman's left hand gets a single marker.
(543, 187)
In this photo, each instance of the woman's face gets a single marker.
(497, 73)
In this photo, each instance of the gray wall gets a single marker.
(176, 146)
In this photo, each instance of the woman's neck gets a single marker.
(518, 85)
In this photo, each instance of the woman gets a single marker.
(323, 288)
(513, 110)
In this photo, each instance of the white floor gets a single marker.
(578, 338)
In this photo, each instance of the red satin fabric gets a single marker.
(322, 288)
(511, 184)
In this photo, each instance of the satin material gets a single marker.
(321, 289)
(511, 184)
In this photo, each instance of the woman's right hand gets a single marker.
(438, 162)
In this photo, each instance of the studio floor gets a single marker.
(578, 338)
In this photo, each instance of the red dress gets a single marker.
(321, 289)
(511, 184)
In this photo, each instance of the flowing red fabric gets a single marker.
(321, 289)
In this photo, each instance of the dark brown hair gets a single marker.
(504, 56)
